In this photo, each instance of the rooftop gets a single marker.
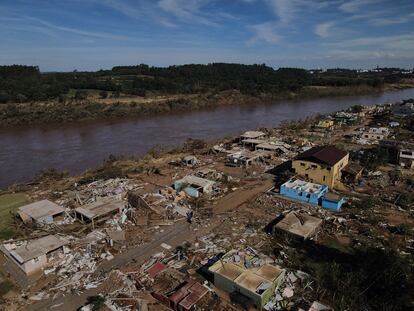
(247, 269)
(40, 209)
(198, 181)
(252, 134)
(38, 247)
(304, 186)
(100, 208)
(329, 155)
(300, 224)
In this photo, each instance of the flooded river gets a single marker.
(76, 147)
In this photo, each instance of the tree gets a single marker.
(80, 95)
(103, 94)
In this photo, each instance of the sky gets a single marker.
(64, 35)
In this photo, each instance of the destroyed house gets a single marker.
(406, 158)
(273, 146)
(321, 164)
(244, 273)
(300, 225)
(98, 210)
(312, 193)
(32, 256)
(246, 158)
(194, 186)
(303, 191)
(41, 212)
(252, 135)
(183, 298)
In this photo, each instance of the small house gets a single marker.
(300, 225)
(33, 255)
(300, 190)
(406, 158)
(41, 212)
(252, 135)
(99, 210)
(246, 276)
(325, 124)
(194, 186)
(332, 201)
(246, 158)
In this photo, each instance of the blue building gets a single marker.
(312, 193)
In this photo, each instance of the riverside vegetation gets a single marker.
(28, 96)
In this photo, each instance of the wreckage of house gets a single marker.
(32, 256)
(406, 158)
(98, 210)
(246, 276)
(41, 212)
(298, 224)
(252, 135)
(194, 186)
(246, 158)
(273, 146)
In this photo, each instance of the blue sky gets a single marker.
(98, 34)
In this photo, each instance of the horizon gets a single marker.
(90, 35)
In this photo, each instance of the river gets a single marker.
(76, 147)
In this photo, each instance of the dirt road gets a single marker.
(173, 235)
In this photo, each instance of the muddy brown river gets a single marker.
(76, 147)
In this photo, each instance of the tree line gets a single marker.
(20, 83)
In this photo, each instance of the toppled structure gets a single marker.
(252, 135)
(95, 211)
(376, 134)
(298, 224)
(245, 274)
(246, 158)
(41, 212)
(194, 186)
(32, 256)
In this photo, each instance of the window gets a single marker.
(314, 166)
(302, 164)
(307, 175)
(324, 178)
(308, 196)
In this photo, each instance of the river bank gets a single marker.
(75, 147)
(54, 112)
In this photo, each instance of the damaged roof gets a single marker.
(329, 155)
(299, 224)
(40, 209)
(100, 208)
(35, 248)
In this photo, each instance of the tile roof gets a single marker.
(329, 155)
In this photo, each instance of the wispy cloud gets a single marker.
(324, 29)
(187, 10)
(386, 21)
(266, 32)
(354, 6)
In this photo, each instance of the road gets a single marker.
(173, 235)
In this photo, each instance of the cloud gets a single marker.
(186, 10)
(324, 29)
(50, 29)
(354, 6)
(266, 32)
(390, 43)
(384, 21)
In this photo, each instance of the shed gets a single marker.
(31, 256)
(41, 212)
(104, 207)
(301, 225)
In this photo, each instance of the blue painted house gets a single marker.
(312, 193)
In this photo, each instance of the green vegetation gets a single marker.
(8, 206)
(371, 158)
(27, 83)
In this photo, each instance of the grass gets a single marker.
(8, 206)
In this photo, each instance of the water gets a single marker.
(76, 147)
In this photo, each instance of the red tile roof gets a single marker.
(329, 155)
(155, 269)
